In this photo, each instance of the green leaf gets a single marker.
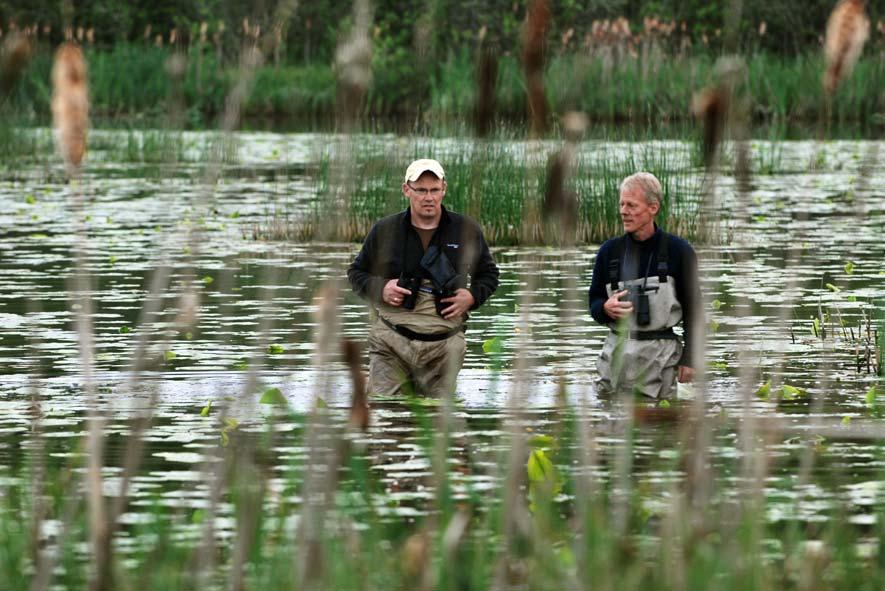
(815, 326)
(321, 403)
(833, 288)
(492, 346)
(716, 304)
(870, 396)
(206, 409)
(125, 330)
(719, 365)
(275, 349)
(112, 259)
(273, 396)
(207, 280)
(231, 423)
(198, 516)
(846, 420)
(714, 326)
(540, 468)
(849, 268)
(541, 441)
(225, 438)
(169, 355)
(30, 199)
(764, 390)
(789, 392)
(664, 404)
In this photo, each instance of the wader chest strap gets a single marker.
(663, 258)
(614, 263)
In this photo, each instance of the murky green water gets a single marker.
(138, 217)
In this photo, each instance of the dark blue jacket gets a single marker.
(682, 266)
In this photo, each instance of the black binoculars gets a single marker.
(636, 295)
(437, 267)
(413, 284)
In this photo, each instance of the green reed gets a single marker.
(567, 541)
(501, 186)
(610, 85)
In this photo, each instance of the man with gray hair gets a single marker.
(644, 283)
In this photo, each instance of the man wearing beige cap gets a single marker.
(422, 270)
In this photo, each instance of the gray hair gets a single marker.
(649, 183)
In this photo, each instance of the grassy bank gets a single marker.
(131, 81)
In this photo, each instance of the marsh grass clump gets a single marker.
(501, 187)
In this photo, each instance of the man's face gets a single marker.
(425, 195)
(636, 213)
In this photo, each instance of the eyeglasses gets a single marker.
(434, 192)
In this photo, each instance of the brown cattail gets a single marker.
(847, 31)
(147, 33)
(560, 203)
(359, 408)
(90, 36)
(763, 26)
(70, 104)
(416, 555)
(14, 56)
(537, 23)
(710, 107)
(487, 79)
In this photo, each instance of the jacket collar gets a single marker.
(651, 240)
(406, 218)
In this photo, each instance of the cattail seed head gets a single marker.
(70, 104)
(534, 33)
(14, 57)
(487, 79)
(710, 107)
(847, 30)
(359, 408)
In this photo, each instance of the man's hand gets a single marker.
(686, 374)
(460, 303)
(615, 308)
(393, 294)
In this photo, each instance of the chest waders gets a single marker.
(641, 352)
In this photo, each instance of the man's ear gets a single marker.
(655, 207)
(405, 189)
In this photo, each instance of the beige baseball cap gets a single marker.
(419, 167)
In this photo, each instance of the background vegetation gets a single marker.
(643, 69)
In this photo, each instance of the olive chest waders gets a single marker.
(641, 353)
